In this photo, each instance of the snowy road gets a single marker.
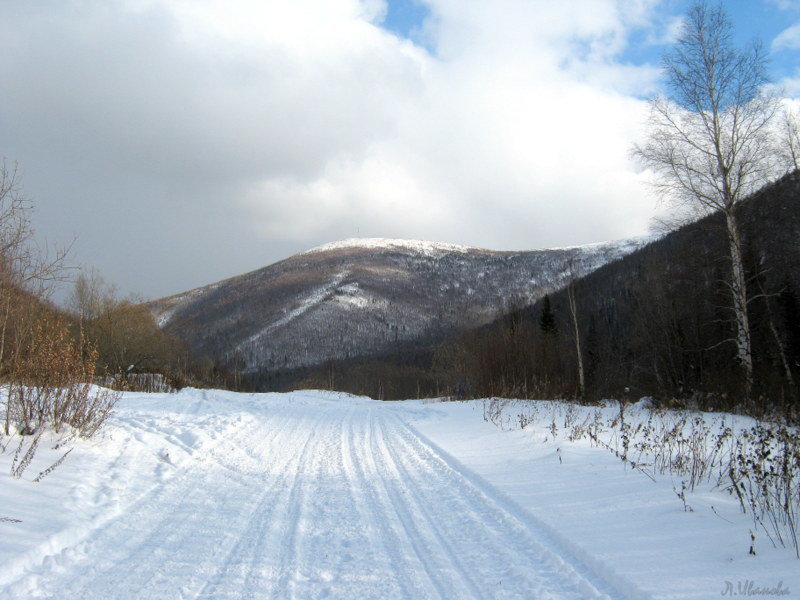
(318, 499)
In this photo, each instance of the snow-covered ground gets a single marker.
(208, 494)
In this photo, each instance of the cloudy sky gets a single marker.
(185, 141)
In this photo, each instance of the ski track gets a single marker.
(341, 500)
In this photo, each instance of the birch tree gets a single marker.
(575, 330)
(709, 142)
(789, 140)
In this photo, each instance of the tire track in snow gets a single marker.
(286, 563)
(372, 516)
(445, 553)
(136, 551)
(414, 581)
(192, 573)
(319, 499)
(323, 550)
(230, 501)
(241, 573)
(559, 574)
(415, 536)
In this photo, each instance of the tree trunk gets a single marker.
(573, 309)
(738, 289)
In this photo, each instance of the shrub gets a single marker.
(51, 383)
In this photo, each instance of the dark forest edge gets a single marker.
(653, 323)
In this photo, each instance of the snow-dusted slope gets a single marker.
(418, 246)
(364, 296)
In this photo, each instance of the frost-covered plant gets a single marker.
(570, 415)
(764, 475)
(524, 419)
(22, 459)
(493, 410)
(760, 465)
(681, 493)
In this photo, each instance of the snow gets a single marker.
(356, 299)
(630, 529)
(211, 494)
(432, 249)
(174, 303)
(435, 249)
(313, 299)
(623, 246)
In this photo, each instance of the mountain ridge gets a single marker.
(362, 296)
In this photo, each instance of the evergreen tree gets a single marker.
(547, 321)
(791, 326)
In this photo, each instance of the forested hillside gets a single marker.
(361, 298)
(399, 319)
(657, 322)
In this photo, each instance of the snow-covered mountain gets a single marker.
(364, 296)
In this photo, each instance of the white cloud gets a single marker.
(227, 134)
(786, 4)
(506, 146)
(788, 39)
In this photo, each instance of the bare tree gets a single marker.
(25, 268)
(44, 368)
(92, 296)
(709, 141)
(789, 140)
(123, 331)
(576, 333)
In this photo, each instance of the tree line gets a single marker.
(654, 323)
(658, 322)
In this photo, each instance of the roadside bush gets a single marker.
(50, 383)
(758, 462)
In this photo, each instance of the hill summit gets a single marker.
(365, 296)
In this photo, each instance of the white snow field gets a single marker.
(209, 494)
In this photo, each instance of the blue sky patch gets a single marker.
(764, 20)
(405, 18)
